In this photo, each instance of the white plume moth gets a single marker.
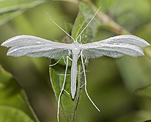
(115, 47)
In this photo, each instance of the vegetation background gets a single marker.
(113, 84)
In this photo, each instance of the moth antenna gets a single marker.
(62, 89)
(86, 84)
(89, 22)
(80, 39)
(60, 27)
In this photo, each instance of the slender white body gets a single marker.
(74, 75)
(75, 56)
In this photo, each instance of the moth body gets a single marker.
(75, 56)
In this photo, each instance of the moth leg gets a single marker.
(82, 85)
(64, 59)
(70, 58)
(85, 60)
(56, 62)
(86, 84)
(62, 89)
(82, 72)
(67, 92)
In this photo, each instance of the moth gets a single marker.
(115, 47)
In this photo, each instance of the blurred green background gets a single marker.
(111, 82)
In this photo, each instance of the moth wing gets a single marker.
(115, 47)
(26, 45)
(126, 39)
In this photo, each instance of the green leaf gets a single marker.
(145, 91)
(68, 27)
(140, 116)
(12, 8)
(84, 16)
(68, 105)
(14, 106)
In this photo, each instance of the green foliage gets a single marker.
(111, 82)
(130, 14)
(12, 8)
(13, 101)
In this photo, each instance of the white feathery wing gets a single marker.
(38, 47)
(35, 47)
(115, 47)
